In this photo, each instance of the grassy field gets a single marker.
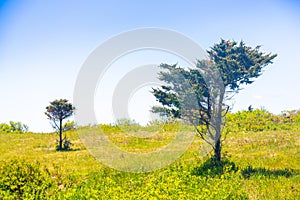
(259, 165)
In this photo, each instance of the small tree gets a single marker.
(198, 97)
(57, 111)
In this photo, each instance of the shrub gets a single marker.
(23, 180)
(13, 127)
(260, 120)
(69, 125)
(5, 128)
(66, 145)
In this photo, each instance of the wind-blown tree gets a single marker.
(57, 111)
(200, 95)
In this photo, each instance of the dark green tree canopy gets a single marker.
(59, 109)
(238, 64)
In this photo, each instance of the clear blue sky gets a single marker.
(44, 43)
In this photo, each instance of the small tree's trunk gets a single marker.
(60, 135)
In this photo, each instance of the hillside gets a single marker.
(259, 165)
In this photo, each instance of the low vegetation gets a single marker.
(261, 161)
(13, 127)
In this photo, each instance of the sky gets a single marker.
(43, 45)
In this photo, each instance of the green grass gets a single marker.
(266, 166)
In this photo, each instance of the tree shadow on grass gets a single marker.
(250, 171)
(68, 150)
(212, 168)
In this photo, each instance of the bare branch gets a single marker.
(202, 136)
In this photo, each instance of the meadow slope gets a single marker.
(259, 165)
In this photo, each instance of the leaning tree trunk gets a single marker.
(218, 128)
(60, 135)
(217, 150)
(217, 139)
